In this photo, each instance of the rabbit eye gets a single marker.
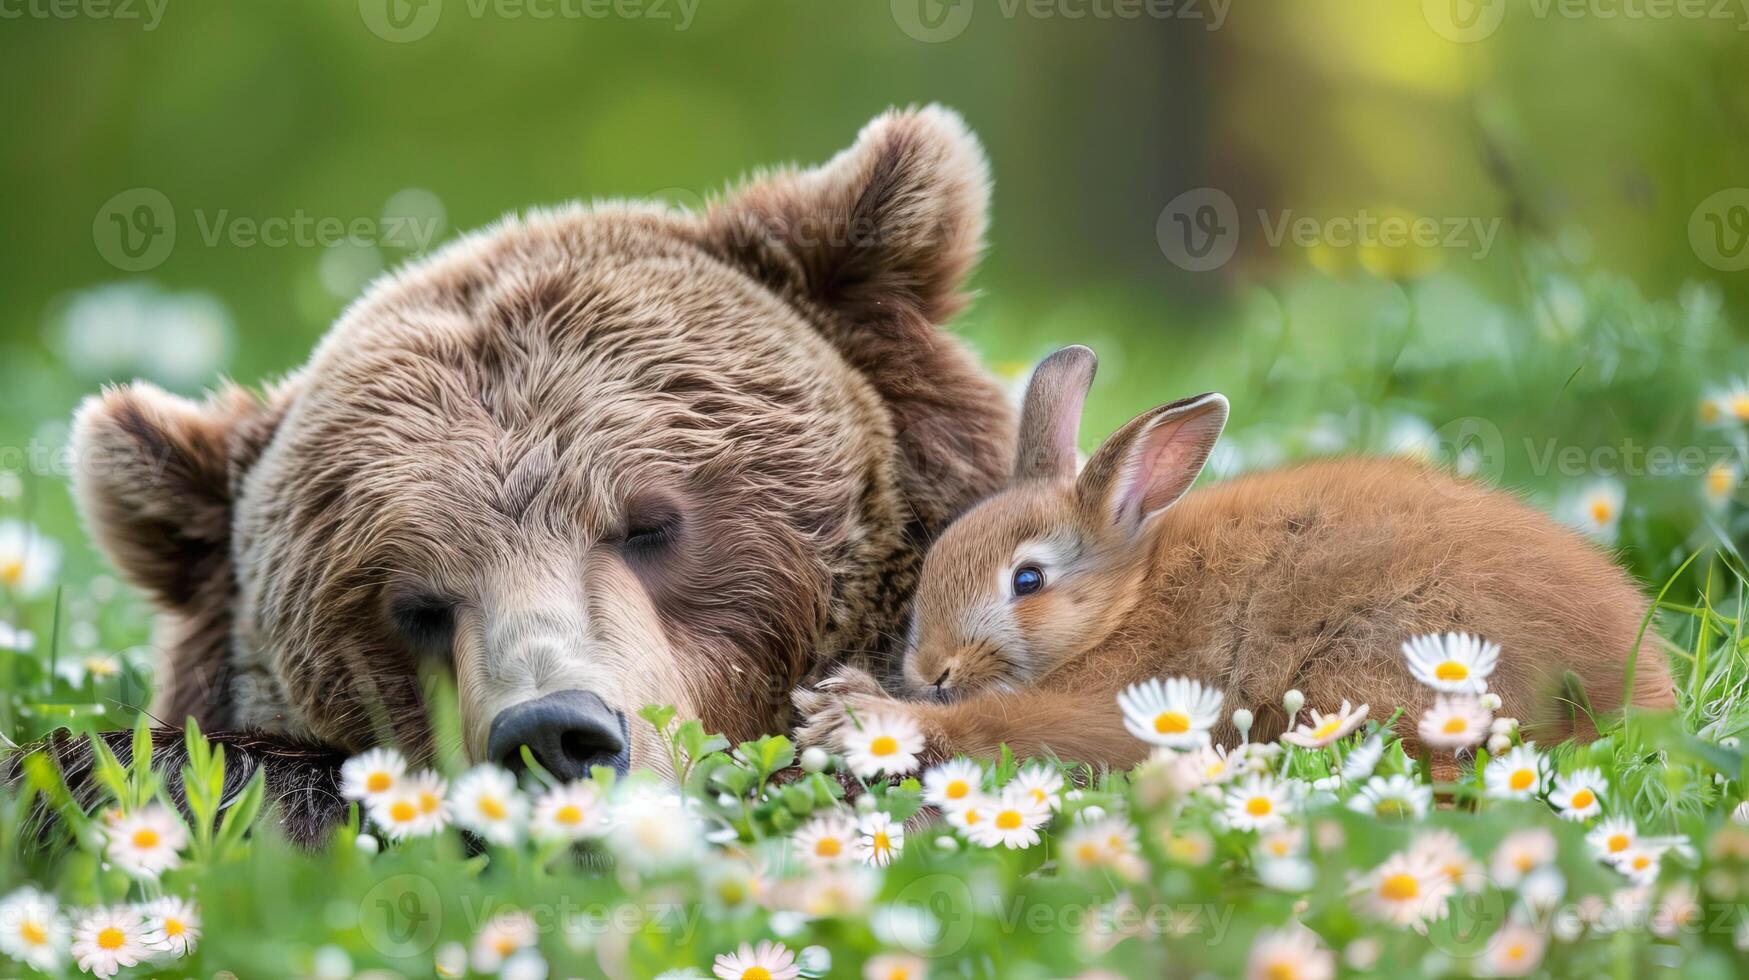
(1028, 579)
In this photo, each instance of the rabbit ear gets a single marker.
(1050, 419)
(1148, 464)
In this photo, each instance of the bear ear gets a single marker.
(898, 218)
(155, 480)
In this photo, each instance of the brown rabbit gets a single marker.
(1040, 604)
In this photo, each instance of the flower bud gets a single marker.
(946, 844)
(815, 759)
(1499, 744)
(1242, 721)
(865, 803)
(1293, 701)
(1503, 725)
(367, 844)
(1490, 701)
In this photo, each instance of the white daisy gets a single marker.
(1284, 843)
(1407, 890)
(32, 930)
(1721, 482)
(895, 966)
(1612, 837)
(1579, 795)
(1520, 853)
(1107, 844)
(1212, 765)
(1257, 803)
(1393, 796)
(951, 783)
(882, 838)
(1361, 762)
(1043, 783)
(1454, 723)
(1176, 712)
(108, 938)
(174, 927)
(881, 743)
(486, 801)
(1447, 853)
(767, 961)
(1293, 953)
(828, 840)
(373, 775)
(1595, 509)
(146, 842)
(1514, 951)
(1453, 663)
(573, 811)
(1014, 821)
(503, 936)
(655, 829)
(29, 560)
(1642, 862)
(972, 814)
(94, 667)
(1521, 774)
(414, 808)
(1726, 405)
(1326, 728)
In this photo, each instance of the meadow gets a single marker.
(1329, 852)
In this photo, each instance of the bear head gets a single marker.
(589, 459)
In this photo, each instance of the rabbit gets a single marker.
(1038, 606)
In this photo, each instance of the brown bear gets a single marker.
(590, 458)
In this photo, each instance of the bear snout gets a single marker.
(568, 732)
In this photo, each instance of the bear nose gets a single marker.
(568, 731)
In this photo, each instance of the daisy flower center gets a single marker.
(1259, 806)
(756, 973)
(1008, 819)
(1583, 799)
(1516, 952)
(828, 847)
(492, 809)
(1602, 511)
(33, 933)
(1617, 842)
(1389, 808)
(1642, 862)
(569, 814)
(174, 927)
(1400, 888)
(1038, 796)
(1281, 971)
(1087, 852)
(505, 945)
(1740, 406)
(12, 571)
(884, 745)
(1171, 723)
(1327, 729)
(1709, 411)
(972, 816)
(957, 789)
(1521, 779)
(402, 812)
(378, 782)
(111, 938)
(145, 838)
(1456, 726)
(429, 802)
(1451, 670)
(1719, 480)
(882, 843)
(1523, 862)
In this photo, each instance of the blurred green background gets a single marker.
(1586, 161)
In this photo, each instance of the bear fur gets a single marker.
(669, 457)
